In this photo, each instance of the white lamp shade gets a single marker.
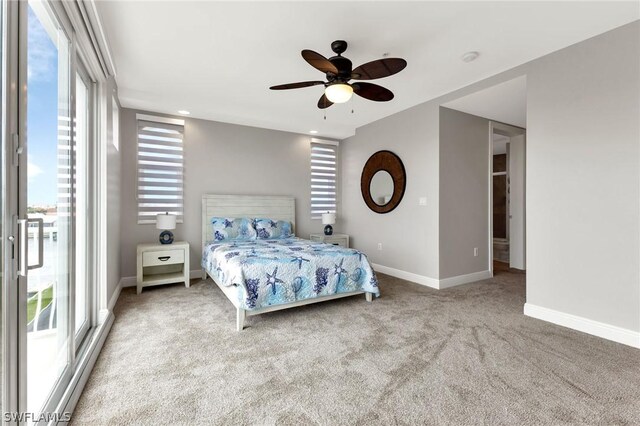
(165, 221)
(328, 218)
(338, 93)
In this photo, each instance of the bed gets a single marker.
(264, 275)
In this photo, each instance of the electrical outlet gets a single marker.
(422, 201)
(475, 251)
(379, 246)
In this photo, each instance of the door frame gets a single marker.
(82, 71)
(509, 131)
(10, 142)
(518, 202)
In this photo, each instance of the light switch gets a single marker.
(422, 201)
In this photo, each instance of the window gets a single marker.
(324, 177)
(160, 167)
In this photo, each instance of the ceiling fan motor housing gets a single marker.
(343, 64)
(344, 67)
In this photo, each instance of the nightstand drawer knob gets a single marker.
(164, 258)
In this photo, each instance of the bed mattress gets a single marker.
(274, 272)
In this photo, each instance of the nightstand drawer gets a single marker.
(341, 240)
(162, 257)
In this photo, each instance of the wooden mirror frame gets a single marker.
(391, 163)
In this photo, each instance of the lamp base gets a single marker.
(328, 230)
(166, 237)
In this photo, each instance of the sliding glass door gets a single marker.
(48, 122)
(48, 191)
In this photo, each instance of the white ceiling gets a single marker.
(217, 59)
(505, 102)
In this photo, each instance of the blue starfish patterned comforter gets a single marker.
(273, 272)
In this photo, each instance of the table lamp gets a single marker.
(166, 222)
(328, 219)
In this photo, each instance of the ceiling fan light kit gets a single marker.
(338, 72)
(338, 93)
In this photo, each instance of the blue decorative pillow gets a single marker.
(229, 228)
(271, 229)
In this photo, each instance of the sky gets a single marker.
(42, 114)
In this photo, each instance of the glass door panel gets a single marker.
(81, 205)
(49, 189)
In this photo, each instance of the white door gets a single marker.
(517, 161)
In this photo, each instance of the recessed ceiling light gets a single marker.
(470, 56)
(313, 132)
(184, 112)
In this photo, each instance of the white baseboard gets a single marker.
(128, 282)
(115, 295)
(463, 279)
(409, 276)
(432, 282)
(585, 325)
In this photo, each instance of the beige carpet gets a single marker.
(465, 355)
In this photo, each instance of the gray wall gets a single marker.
(409, 234)
(445, 154)
(583, 187)
(464, 193)
(219, 159)
(583, 179)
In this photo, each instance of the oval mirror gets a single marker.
(383, 181)
(381, 187)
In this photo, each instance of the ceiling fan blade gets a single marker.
(318, 61)
(379, 69)
(373, 92)
(296, 85)
(323, 102)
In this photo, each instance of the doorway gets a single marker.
(507, 241)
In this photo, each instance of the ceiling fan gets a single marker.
(338, 70)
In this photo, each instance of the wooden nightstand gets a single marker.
(162, 264)
(341, 240)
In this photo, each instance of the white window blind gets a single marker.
(324, 177)
(160, 167)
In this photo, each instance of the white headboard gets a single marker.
(270, 206)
